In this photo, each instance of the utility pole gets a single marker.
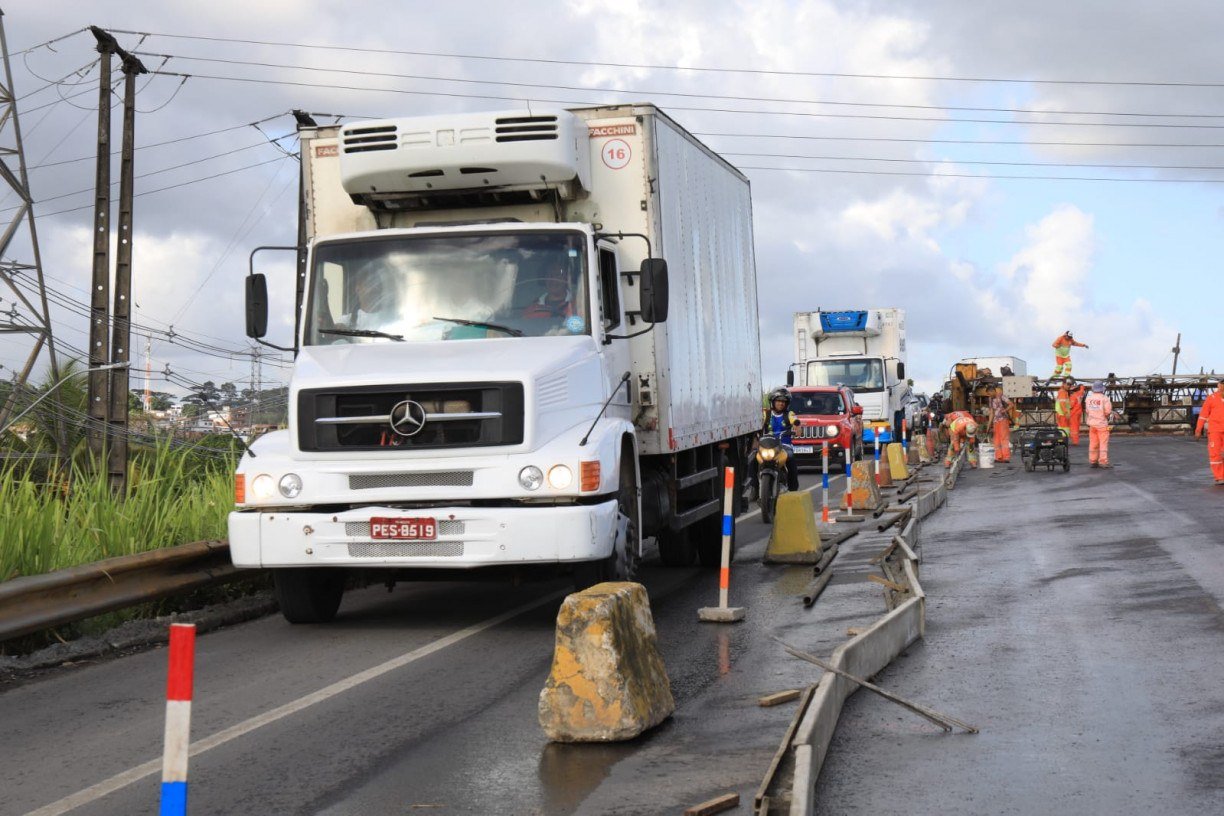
(1176, 353)
(117, 457)
(39, 322)
(99, 291)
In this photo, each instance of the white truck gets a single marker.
(863, 350)
(524, 339)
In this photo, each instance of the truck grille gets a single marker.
(526, 128)
(406, 549)
(374, 481)
(356, 419)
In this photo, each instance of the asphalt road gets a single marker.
(1076, 619)
(424, 700)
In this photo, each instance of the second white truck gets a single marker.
(863, 350)
(524, 338)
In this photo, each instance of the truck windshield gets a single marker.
(861, 375)
(818, 402)
(454, 287)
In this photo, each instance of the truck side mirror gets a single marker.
(900, 371)
(790, 377)
(654, 290)
(256, 306)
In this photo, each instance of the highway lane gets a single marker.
(453, 726)
(1076, 618)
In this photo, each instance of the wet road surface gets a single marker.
(1076, 619)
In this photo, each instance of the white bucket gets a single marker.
(986, 456)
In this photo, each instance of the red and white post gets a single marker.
(905, 435)
(178, 719)
(722, 613)
(824, 481)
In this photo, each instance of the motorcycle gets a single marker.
(771, 456)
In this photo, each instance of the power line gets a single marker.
(989, 177)
(705, 69)
(811, 114)
(656, 93)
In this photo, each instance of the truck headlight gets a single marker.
(560, 477)
(262, 487)
(290, 485)
(531, 477)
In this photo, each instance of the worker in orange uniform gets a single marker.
(1078, 393)
(962, 430)
(1212, 416)
(1000, 422)
(1062, 354)
(1062, 406)
(1099, 410)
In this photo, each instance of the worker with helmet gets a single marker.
(1212, 417)
(1076, 393)
(1062, 354)
(779, 421)
(962, 431)
(1062, 406)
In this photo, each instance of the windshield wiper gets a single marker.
(481, 325)
(363, 333)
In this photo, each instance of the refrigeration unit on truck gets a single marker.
(863, 350)
(523, 339)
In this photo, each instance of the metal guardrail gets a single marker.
(32, 603)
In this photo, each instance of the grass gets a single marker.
(175, 496)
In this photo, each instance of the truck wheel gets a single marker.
(622, 564)
(308, 595)
(676, 547)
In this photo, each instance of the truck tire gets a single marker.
(622, 564)
(308, 595)
(676, 547)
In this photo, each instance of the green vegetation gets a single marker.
(50, 521)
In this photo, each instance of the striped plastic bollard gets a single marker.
(877, 455)
(722, 613)
(178, 719)
(905, 435)
(824, 481)
(849, 489)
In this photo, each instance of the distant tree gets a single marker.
(229, 394)
(202, 395)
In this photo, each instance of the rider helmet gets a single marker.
(779, 394)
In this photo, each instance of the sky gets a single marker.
(1000, 171)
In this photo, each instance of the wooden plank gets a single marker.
(880, 579)
(887, 551)
(779, 697)
(716, 805)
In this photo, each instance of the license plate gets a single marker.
(804, 449)
(404, 529)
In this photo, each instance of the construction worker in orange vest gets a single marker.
(1062, 406)
(1062, 354)
(1000, 422)
(1078, 393)
(962, 430)
(1212, 416)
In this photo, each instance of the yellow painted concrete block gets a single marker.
(608, 682)
(864, 492)
(919, 443)
(896, 462)
(795, 538)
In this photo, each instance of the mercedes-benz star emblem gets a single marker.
(407, 418)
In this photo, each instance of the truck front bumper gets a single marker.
(468, 537)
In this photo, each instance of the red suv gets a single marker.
(826, 412)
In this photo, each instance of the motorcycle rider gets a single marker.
(778, 422)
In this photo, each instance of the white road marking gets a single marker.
(122, 780)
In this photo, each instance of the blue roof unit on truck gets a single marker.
(835, 322)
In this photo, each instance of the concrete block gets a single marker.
(795, 538)
(913, 454)
(897, 469)
(864, 492)
(608, 682)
